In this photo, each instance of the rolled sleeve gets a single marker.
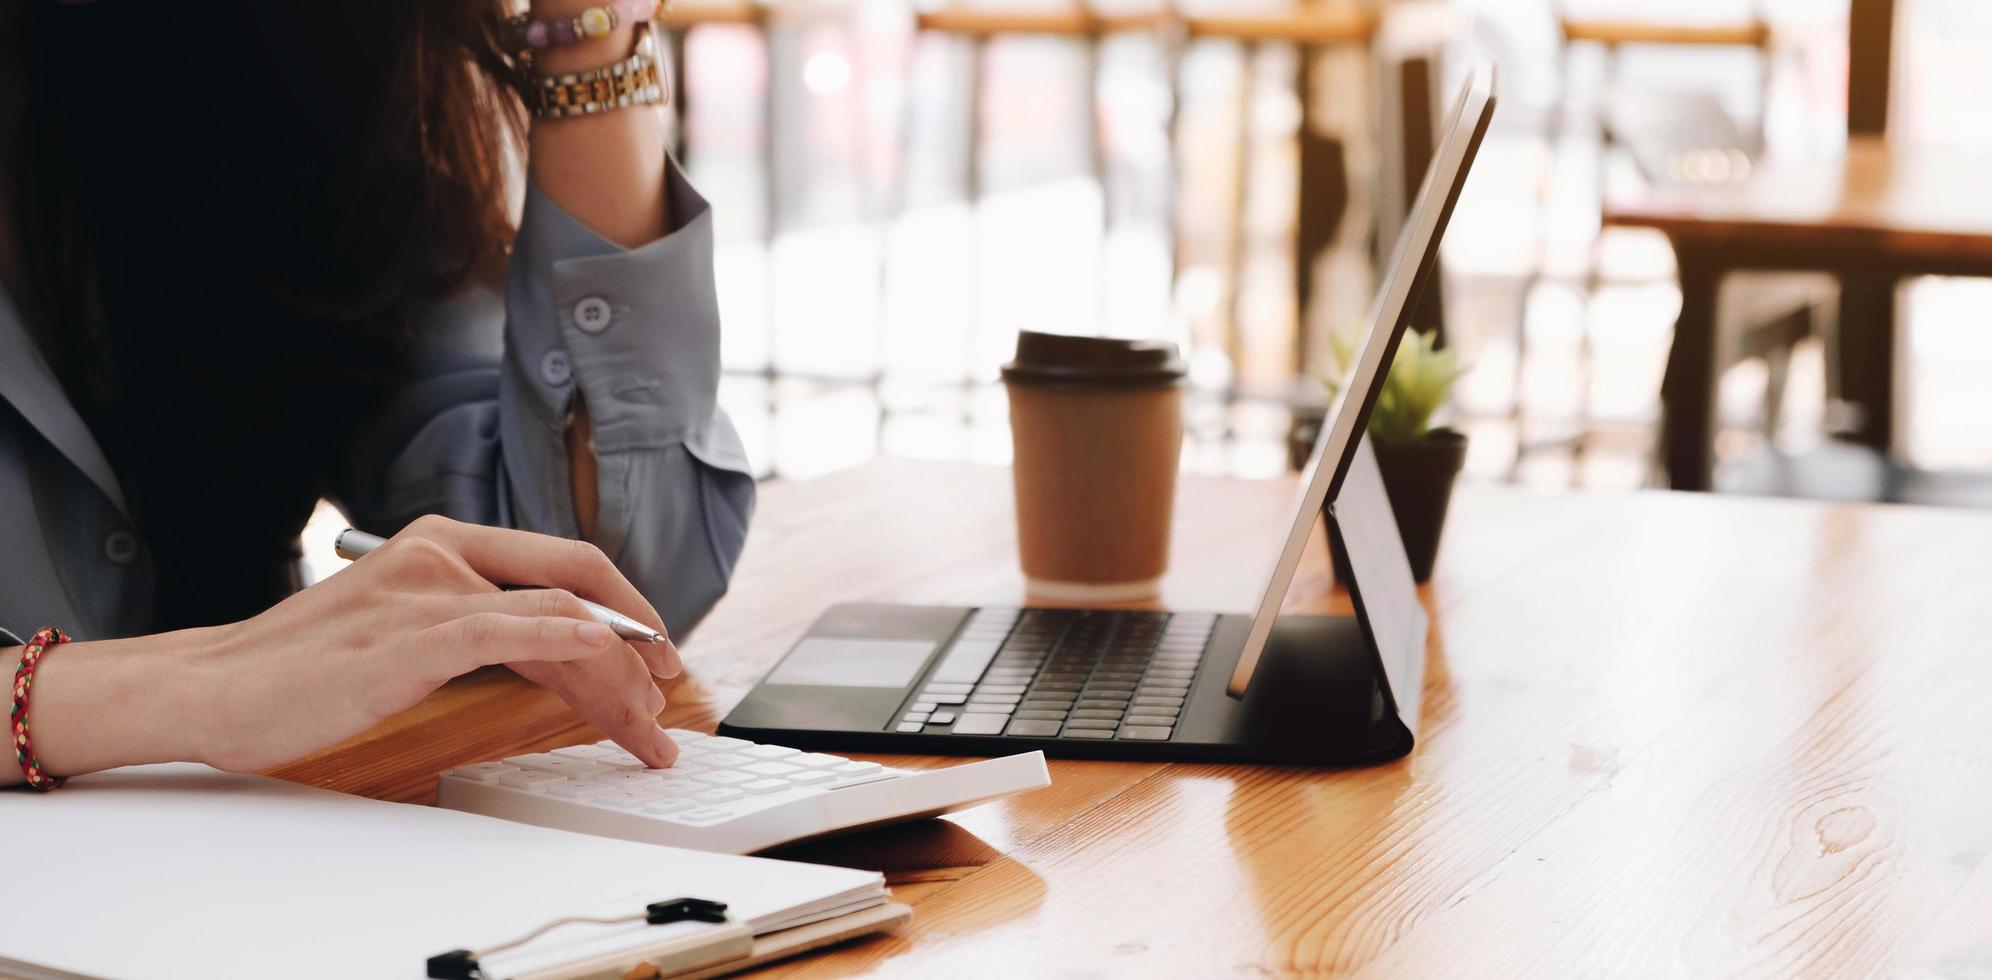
(635, 332)
(639, 327)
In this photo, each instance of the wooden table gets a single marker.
(1873, 217)
(1643, 756)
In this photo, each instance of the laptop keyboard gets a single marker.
(1063, 673)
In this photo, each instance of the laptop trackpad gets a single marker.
(823, 662)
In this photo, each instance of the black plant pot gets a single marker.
(1419, 480)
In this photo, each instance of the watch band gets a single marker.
(633, 81)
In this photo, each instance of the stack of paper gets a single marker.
(183, 871)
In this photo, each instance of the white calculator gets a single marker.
(724, 794)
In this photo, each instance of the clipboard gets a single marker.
(727, 949)
(204, 875)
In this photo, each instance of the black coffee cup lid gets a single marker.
(1049, 360)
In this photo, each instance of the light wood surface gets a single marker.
(1920, 208)
(1307, 24)
(1665, 735)
(1871, 217)
(1752, 34)
(701, 13)
(1311, 24)
(971, 21)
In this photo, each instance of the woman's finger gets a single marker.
(660, 659)
(481, 639)
(612, 713)
(525, 558)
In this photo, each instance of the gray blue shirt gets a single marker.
(478, 432)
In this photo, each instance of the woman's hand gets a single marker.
(336, 658)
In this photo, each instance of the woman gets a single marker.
(256, 254)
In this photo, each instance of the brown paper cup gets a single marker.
(1095, 478)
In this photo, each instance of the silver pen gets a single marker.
(351, 544)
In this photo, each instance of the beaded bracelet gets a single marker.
(530, 35)
(24, 682)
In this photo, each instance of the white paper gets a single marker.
(183, 871)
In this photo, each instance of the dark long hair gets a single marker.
(229, 214)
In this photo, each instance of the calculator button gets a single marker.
(1038, 715)
(981, 724)
(483, 772)
(1151, 733)
(941, 718)
(669, 806)
(1032, 727)
(1000, 689)
(583, 751)
(817, 760)
(856, 768)
(946, 697)
(548, 762)
(677, 787)
(623, 760)
(771, 769)
(723, 742)
(1006, 699)
(1156, 709)
(1086, 733)
(719, 796)
(922, 707)
(723, 777)
(704, 814)
(950, 688)
(1140, 718)
(626, 779)
(909, 727)
(811, 777)
(1158, 701)
(1112, 704)
(623, 799)
(769, 751)
(1097, 713)
(724, 760)
(915, 716)
(530, 779)
(761, 787)
(575, 789)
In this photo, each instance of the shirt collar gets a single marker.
(27, 383)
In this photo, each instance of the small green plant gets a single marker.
(1417, 385)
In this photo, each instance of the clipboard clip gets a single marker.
(461, 964)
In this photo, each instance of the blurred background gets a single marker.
(900, 187)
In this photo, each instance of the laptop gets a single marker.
(1138, 684)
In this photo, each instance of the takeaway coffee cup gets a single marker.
(1098, 429)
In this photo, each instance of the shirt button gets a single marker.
(592, 314)
(555, 369)
(121, 547)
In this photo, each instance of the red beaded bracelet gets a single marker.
(24, 681)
